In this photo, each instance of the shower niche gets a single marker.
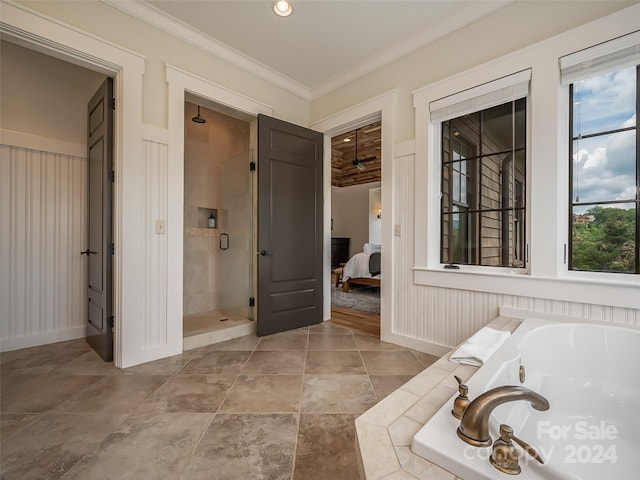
(208, 218)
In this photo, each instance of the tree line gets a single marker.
(607, 243)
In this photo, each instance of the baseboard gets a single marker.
(415, 344)
(15, 343)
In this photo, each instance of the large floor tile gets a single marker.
(383, 385)
(331, 341)
(38, 360)
(217, 362)
(240, 344)
(287, 362)
(39, 394)
(164, 366)
(337, 394)
(327, 362)
(114, 394)
(145, 446)
(368, 342)
(391, 363)
(325, 448)
(256, 447)
(50, 446)
(89, 363)
(283, 341)
(327, 327)
(12, 423)
(425, 359)
(264, 394)
(189, 393)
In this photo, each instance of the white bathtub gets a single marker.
(589, 373)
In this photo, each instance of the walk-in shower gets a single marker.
(218, 227)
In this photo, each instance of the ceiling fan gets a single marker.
(359, 163)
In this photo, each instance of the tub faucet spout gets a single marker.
(474, 425)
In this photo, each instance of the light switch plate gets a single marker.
(161, 227)
(397, 230)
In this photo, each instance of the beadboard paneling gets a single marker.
(155, 158)
(43, 276)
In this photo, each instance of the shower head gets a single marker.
(198, 119)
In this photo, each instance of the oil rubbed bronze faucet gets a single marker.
(474, 425)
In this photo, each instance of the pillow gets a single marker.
(371, 248)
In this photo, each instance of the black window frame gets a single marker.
(572, 197)
(475, 166)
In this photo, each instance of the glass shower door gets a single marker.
(235, 237)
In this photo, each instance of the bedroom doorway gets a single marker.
(356, 219)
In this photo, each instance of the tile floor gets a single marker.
(277, 407)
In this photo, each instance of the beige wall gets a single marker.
(52, 105)
(350, 213)
(509, 29)
(160, 48)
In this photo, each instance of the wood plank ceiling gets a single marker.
(344, 172)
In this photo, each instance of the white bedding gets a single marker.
(357, 267)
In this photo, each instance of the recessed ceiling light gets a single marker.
(347, 139)
(282, 8)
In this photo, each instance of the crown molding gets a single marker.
(469, 15)
(152, 16)
(158, 19)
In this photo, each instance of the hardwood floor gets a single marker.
(357, 320)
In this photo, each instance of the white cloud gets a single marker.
(593, 159)
(631, 122)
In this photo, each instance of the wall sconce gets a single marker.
(379, 215)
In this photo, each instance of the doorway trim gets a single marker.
(36, 31)
(180, 82)
(381, 107)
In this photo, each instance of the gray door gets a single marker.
(290, 234)
(99, 251)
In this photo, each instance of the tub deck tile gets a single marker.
(384, 433)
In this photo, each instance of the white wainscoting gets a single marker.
(435, 319)
(43, 217)
(155, 162)
(43, 198)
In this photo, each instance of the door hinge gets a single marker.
(112, 176)
(252, 301)
(252, 166)
(112, 248)
(113, 104)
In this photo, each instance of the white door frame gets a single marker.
(180, 82)
(381, 108)
(36, 31)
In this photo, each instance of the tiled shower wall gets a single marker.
(217, 177)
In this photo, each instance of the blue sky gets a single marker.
(604, 167)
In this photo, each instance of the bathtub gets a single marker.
(589, 373)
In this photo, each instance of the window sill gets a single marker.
(568, 287)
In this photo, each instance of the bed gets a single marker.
(362, 269)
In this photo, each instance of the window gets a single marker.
(604, 160)
(483, 187)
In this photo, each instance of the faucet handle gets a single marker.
(504, 455)
(527, 448)
(462, 401)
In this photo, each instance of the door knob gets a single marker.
(264, 253)
(88, 252)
